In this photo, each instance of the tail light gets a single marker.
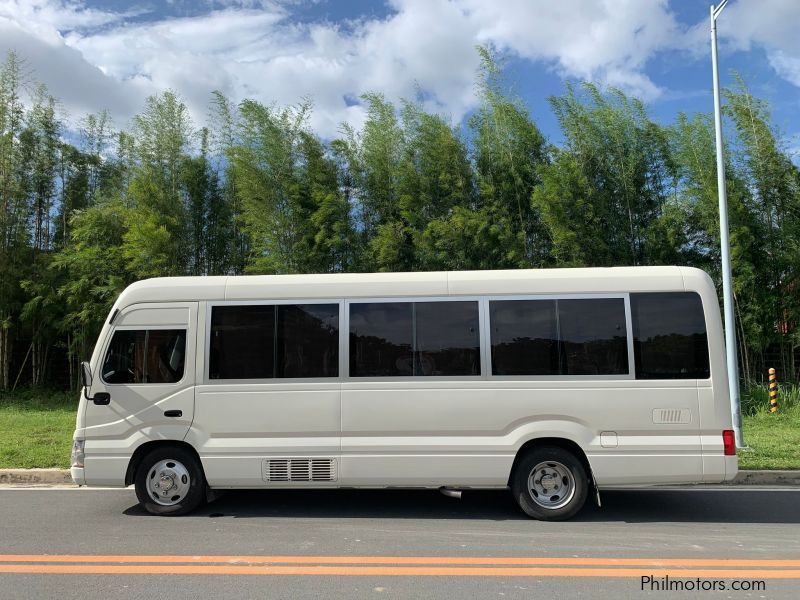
(729, 442)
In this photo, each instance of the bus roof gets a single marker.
(433, 283)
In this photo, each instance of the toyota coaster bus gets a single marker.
(554, 383)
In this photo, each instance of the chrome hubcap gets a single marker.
(168, 482)
(551, 485)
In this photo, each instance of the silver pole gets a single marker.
(727, 288)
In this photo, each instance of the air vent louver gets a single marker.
(675, 416)
(298, 469)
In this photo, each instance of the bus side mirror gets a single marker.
(101, 398)
(86, 376)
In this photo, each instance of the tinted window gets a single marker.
(593, 336)
(269, 341)
(381, 343)
(403, 339)
(447, 338)
(524, 337)
(308, 340)
(145, 356)
(559, 337)
(669, 336)
(242, 342)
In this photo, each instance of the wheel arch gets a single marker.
(144, 449)
(559, 442)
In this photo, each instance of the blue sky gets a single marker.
(96, 54)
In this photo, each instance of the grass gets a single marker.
(36, 428)
(773, 439)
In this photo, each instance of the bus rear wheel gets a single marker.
(550, 484)
(169, 482)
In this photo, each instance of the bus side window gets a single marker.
(581, 336)
(269, 341)
(669, 336)
(402, 339)
(145, 356)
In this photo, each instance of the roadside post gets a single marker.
(773, 391)
(725, 247)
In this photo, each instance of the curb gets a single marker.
(766, 478)
(35, 476)
(62, 476)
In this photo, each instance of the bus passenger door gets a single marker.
(268, 409)
(147, 368)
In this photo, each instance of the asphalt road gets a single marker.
(69, 543)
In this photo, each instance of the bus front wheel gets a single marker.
(170, 481)
(550, 484)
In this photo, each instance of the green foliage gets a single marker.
(768, 287)
(288, 187)
(607, 189)
(93, 272)
(509, 151)
(257, 191)
(210, 225)
(755, 398)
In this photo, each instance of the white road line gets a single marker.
(749, 488)
(727, 488)
(59, 488)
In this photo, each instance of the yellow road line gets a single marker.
(470, 566)
(95, 569)
(401, 560)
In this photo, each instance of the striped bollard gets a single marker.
(773, 392)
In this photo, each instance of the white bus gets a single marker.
(553, 383)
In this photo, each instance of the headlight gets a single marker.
(78, 453)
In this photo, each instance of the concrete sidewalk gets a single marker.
(62, 476)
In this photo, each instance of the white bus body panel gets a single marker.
(237, 426)
(136, 412)
(444, 433)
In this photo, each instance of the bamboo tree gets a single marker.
(265, 164)
(210, 219)
(774, 184)
(693, 147)
(610, 183)
(13, 209)
(374, 157)
(508, 152)
(158, 241)
(329, 233)
(39, 143)
(223, 139)
(435, 180)
(96, 134)
(257, 191)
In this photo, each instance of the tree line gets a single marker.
(255, 190)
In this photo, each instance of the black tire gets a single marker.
(192, 492)
(550, 506)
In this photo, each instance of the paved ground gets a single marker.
(395, 544)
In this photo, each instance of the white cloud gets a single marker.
(260, 53)
(47, 17)
(786, 65)
(80, 86)
(606, 40)
(94, 58)
(769, 24)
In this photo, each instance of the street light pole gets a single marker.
(727, 287)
